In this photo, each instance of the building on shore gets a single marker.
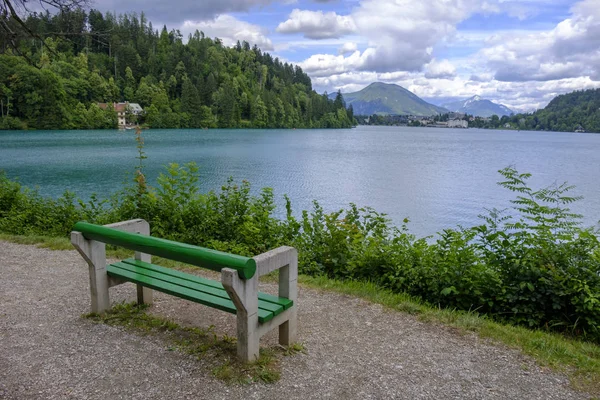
(458, 123)
(122, 110)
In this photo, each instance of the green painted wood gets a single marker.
(280, 301)
(187, 253)
(182, 292)
(173, 279)
(149, 271)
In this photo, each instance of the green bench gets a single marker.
(237, 293)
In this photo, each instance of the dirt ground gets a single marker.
(354, 349)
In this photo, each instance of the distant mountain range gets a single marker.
(478, 107)
(383, 98)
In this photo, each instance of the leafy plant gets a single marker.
(531, 265)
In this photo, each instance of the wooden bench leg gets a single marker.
(95, 254)
(244, 294)
(288, 288)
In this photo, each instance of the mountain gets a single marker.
(383, 98)
(478, 107)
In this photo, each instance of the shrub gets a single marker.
(533, 266)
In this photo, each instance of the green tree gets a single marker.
(190, 103)
(101, 61)
(225, 104)
(130, 85)
(259, 113)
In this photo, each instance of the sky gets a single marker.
(520, 53)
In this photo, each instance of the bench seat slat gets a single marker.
(276, 309)
(262, 297)
(181, 291)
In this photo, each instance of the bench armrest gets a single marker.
(275, 259)
(132, 226)
(284, 259)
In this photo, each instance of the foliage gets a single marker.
(532, 265)
(105, 58)
(579, 110)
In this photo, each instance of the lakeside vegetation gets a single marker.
(539, 270)
(579, 110)
(70, 61)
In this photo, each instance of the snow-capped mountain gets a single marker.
(478, 107)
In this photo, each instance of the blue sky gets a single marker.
(520, 53)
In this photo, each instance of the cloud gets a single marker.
(400, 34)
(522, 69)
(379, 59)
(170, 12)
(319, 65)
(482, 77)
(317, 24)
(440, 70)
(570, 50)
(348, 47)
(230, 29)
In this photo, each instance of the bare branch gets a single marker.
(8, 10)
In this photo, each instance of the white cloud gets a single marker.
(440, 70)
(570, 50)
(400, 34)
(348, 47)
(319, 65)
(523, 69)
(230, 29)
(317, 24)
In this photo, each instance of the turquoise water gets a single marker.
(436, 177)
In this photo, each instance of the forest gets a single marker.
(56, 69)
(575, 111)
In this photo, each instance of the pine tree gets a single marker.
(190, 103)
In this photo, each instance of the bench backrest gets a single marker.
(187, 253)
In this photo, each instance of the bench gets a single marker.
(256, 313)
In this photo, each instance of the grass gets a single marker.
(204, 344)
(579, 360)
(52, 243)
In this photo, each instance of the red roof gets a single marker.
(118, 107)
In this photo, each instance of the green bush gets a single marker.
(533, 266)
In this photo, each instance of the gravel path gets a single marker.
(48, 351)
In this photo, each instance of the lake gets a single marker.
(438, 178)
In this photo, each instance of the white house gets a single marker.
(122, 109)
(458, 123)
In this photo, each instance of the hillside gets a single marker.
(381, 98)
(193, 83)
(568, 112)
(478, 107)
